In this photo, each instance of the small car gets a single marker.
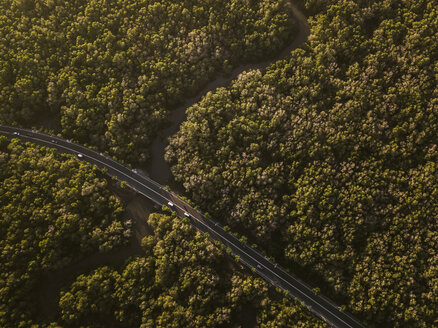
(171, 204)
(17, 133)
(187, 215)
(259, 267)
(80, 155)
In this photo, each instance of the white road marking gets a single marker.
(183, 210)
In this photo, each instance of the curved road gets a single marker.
(271, 272)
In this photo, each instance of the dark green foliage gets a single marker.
(53, 210)
(108, 71)
(285, 314)
(330, 158)
(182, 280)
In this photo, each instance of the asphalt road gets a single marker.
(271, 272)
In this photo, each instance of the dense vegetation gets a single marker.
(105, 73)
(182, 280)
(53, 210)
(330, 158)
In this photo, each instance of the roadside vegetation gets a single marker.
(105, 73)
(181, 280)
(56, 210)
(329, 160)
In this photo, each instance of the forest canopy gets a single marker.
(54, 210)
(181, 280)
(105, 73)
(329, 159)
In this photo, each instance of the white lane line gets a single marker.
(279, 268)
(104, 164)
(77, 145)
(208, 227)
(282, 279)
(111, 160)
(97, 160)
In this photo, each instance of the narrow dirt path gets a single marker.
(158, 169)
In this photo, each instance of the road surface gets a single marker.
(271, 272)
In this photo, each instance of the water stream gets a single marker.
(158, 169)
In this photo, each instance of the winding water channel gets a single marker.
(158, 169)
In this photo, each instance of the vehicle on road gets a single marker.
(54, 141)
(323, 309)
